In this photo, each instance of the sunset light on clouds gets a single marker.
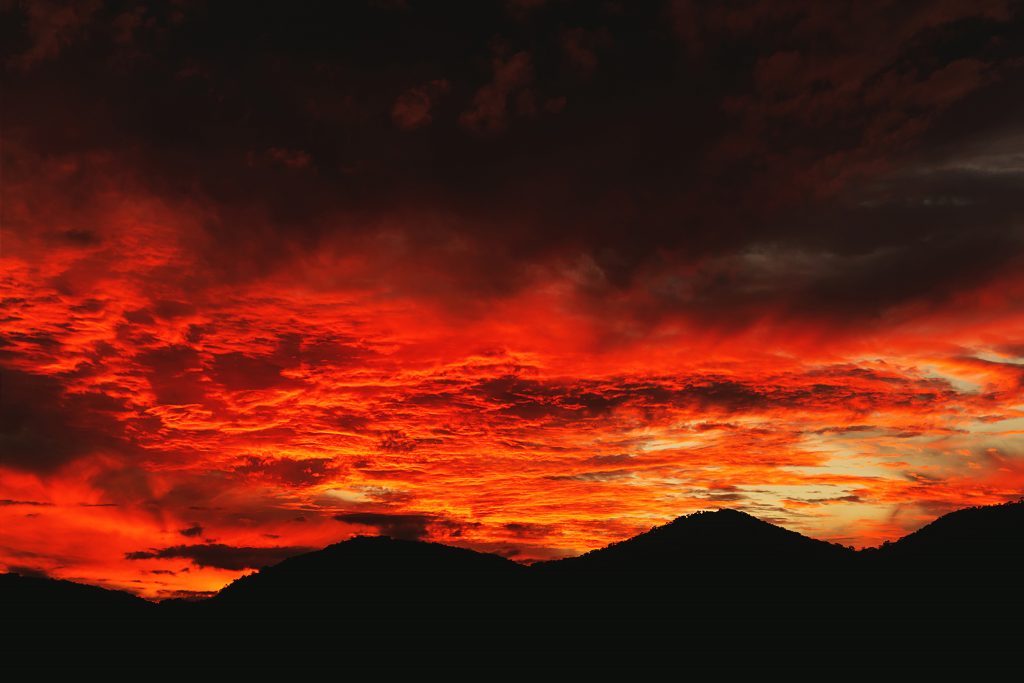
(530, 301)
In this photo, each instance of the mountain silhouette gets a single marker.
(370, 555)
(34, 595)
(368, 569)
(712, 593)
(48, 623)
(991, 537)
(724, 539)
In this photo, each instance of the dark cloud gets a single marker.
(289, 471)
(239, 372)
(31, 503)
(80, 237)
(192, 531)
(618, 459)
(222, 556)
(42, 427)
(699, 151)
(128, 483)
(169, 309)
(402, 526)
(581, 48)
(529, 529)
(187, 595)
(31, 572)
(139, 317)
(850, 498)
(396, 441)
(175, 374)
(50, 28)
(289, 158)
(412, 109)
(507, 93)
(848, 429)
(725, 497)
(294, 350)
(564, 402)
(602, 476)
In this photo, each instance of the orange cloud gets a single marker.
(281, 413)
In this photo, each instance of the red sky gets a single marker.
(262, 294)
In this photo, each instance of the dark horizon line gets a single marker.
(696, 513)
(687, 515)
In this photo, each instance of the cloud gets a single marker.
(30, 572)
(602, 476)
(239, 372)
(396, 441)
(581, 47)
(289, 158)
(489, 112)
(402, 526)
(52, 27)
(529, 529)
(184, 594)
(175, 374)
(748, 233)
(43, 427)
(412, 109)
(222, 556)
(289, 471)
(410, 526)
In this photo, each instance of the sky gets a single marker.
(525, 277)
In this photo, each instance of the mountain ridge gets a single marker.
(374, 604)
(709, 537)
(737, 535)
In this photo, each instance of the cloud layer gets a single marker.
(525, 277)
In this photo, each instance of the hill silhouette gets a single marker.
(724, 539)
(404, 565)
(396, 585)
(989, 537)
(66, 599)
(48, 623)
(709, 593)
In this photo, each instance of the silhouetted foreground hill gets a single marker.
(982, 537)
(408, 567)
(708, 594)
(722, 540)
(34, 595)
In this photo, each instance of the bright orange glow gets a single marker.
(520, 276)
(357, 383)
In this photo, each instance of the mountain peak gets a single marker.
(722, 538)
(366, 563)
(988, 535)
(731, 515)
